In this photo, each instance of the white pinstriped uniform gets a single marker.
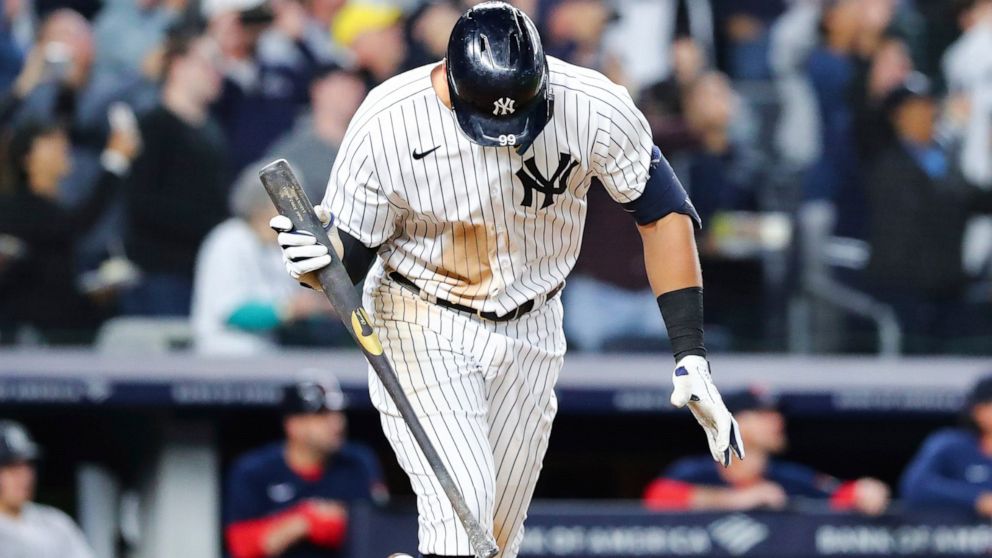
(487, 228)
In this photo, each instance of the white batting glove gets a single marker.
(694, 387)
(301, 253)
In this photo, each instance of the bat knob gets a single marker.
(485, 547)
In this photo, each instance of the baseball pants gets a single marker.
(485, 394)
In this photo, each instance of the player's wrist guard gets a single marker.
(682, 311)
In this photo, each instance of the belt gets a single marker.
(491, 316)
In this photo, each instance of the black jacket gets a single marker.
(40, 289)
(177, 192)
(917, 224)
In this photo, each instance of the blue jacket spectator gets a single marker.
(290, 499)
(953, 469)
(832, 70)
(267, 68)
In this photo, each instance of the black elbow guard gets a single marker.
(358, 258)
(663, 194)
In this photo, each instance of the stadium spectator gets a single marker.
(317, 34)
(178, 185)
(663, 102)
(428, 30)
(887, 69)
(793, 37)
(919, 206)
(267, 67)
(40, 289)
(610, 274)
(312, 145)
(373, 33)
(835, 177)
(16, 35)
(643, 34)
(126, 32)
(964, 63)
(61, 81)
(291, 499)
(744, 25)
(761, 480)
(28, 528)
(241, 295)
(573, 31)
(953, 469)
(722, 173)
(966, 69)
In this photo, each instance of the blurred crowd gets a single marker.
(831, 146)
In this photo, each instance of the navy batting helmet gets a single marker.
(498, 76)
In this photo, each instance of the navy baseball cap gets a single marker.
(751, 399)
(16, 445)
(312, 397)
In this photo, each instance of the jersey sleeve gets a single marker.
(621, 154)
(355, 195)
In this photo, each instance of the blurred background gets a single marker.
(839, 152)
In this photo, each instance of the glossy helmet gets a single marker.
(498, 76)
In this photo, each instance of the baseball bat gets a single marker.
(289, 198)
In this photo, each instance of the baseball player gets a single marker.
(29, 529)
(290, 498)
(459, 194)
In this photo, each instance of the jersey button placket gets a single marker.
(495, 261)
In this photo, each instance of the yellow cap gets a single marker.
(356, 18)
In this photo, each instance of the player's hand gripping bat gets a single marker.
(291, 201)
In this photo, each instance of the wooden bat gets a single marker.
(291, 201)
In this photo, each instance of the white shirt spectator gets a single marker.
(642, 38)
(41, 532)
(235, 267)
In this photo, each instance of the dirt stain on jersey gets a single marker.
(466, 261)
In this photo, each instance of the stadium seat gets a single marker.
(144, 335)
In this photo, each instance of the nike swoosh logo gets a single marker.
(419, 156)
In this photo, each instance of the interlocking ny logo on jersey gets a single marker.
(503, 106)
(533, 180)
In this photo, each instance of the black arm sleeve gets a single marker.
(358, 257)
(682, 311)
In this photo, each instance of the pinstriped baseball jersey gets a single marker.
(484, 227)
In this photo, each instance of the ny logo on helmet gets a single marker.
(533, 180)
(503, 106)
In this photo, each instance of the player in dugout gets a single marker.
(27, 529)
(953, 469)
(761, 481)
(290, 499)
